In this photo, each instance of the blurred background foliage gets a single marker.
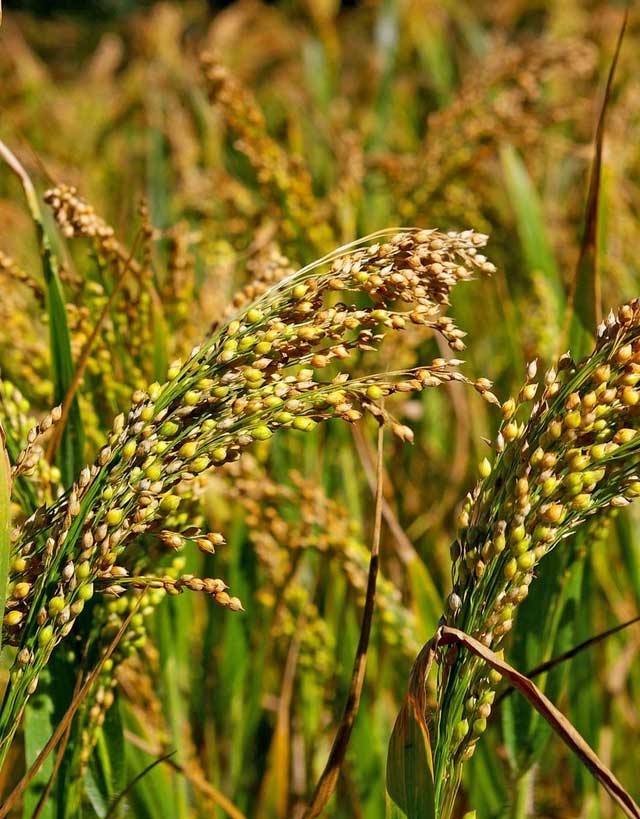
(320, 123)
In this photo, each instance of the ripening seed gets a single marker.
(526, 560)
(510, 569)
(199, 464)
(169, 503)
(484, 468)
(188, 449)
(129, 449)
(77, 607)
(251, 374)
(86, 592)
(461, 730)
(246, 343)
(83, 570)
(494, 677)
(21, 590)
(508, 408)
(554, 513)
(521, 546)
(516, 534)
(261, 433)
(303, 423)
(479, 726)
(510, 431)
(572, 420)
(45, 635)
(578, 462)
(581, 502)
(13, 618)
(624, 354)
(624, 436)
(153, 471)
(115, 516)
(484, 710)
(56, 605)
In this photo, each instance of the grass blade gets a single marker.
(72, 445)
(585, 298)
(410, 784)
(116, 802)
(530, 225)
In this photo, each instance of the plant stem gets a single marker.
(523, 793)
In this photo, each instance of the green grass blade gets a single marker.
(38, 728)
(536, 247)
(410, 786)
(585, 296)
(71, 453)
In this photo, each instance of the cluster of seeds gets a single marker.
(283, 176)
(27, 362)
(255, 375)
(77, 218)
(285, 519)
(266, 269)
(178, 285)
(500, 101)
(25, 434)
(10, 269)
(28, 459)
(576, 456)
(298, 618)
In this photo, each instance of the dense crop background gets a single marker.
(208, 180)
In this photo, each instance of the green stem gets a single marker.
(523, 792)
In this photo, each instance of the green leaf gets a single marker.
(38, 727)
(545, 628)
(107, 762)
(71, 452)
(427, 599)
(410, 787)
(585, 294)
(530, 224)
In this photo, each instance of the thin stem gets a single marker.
(523, 794)
(327, 782)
